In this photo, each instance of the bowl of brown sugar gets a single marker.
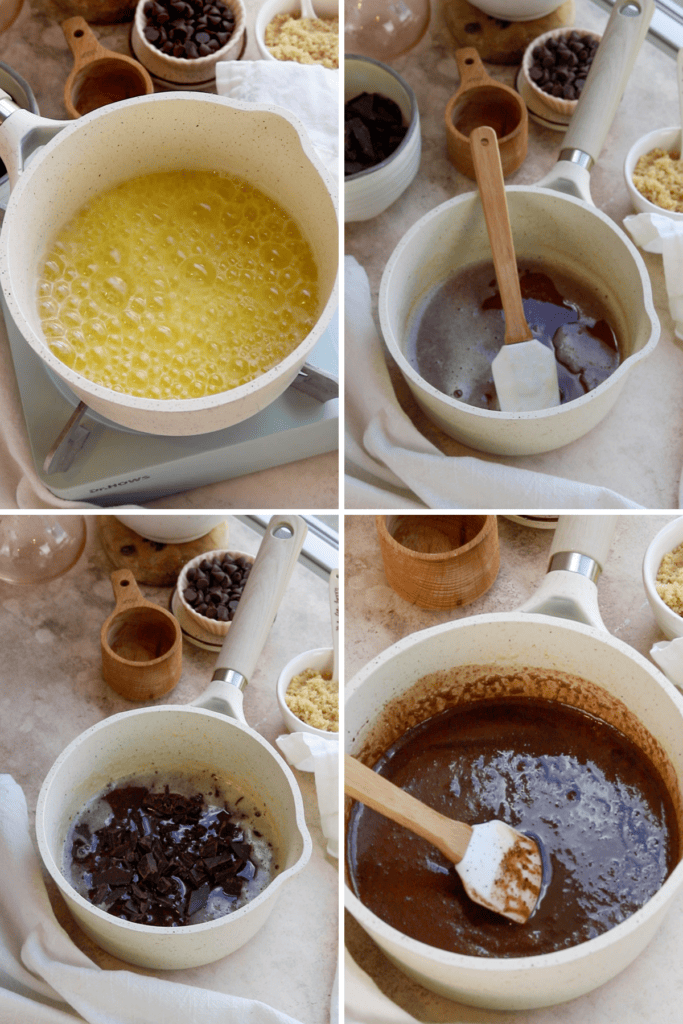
(282, 33)
(307, 696)
(653, 171)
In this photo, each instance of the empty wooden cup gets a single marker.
(99, 76)
(479, 101)
(142, 644)
(437, 561)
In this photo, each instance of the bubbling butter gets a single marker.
(178, 284)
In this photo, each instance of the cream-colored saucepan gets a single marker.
(559, 641)
(555, 221)
(55, 167)
(208, 739)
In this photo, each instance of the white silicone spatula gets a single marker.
(525, 370)
(307, 9)
(500, 868)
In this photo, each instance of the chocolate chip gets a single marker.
(188, 30)
(215, 584)
(561, 63)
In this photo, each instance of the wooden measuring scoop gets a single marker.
(481, 100)
(142, 643)
(99, 76)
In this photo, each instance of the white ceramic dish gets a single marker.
(171, 529)
(665, 541)
(268, 10)
(320, 658)
(267, 146)
(668, 139)
(518, 10)
(203, 625)
(179, 71)
(530, 636)
(370, 192)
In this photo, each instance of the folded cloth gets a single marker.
(364, 1003)
(317, 754)
(389, 464)
(46, 979)
(308, 91)
(660, 234)
(668, 655)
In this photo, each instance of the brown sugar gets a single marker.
(312, 698)
(658, 176)
(304, 40)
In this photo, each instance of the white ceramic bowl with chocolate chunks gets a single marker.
(376, 177)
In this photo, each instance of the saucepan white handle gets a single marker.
(578, 554)
(607, 78)
(21, 134)
(244, 641)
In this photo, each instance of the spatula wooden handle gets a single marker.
(373, 790)
(489, 172)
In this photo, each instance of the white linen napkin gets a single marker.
(46, 979)
(310, 753)
(308, 91)
(668, 655)
(389, 464)
(659, 234)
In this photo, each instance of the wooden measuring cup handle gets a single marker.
(82, 42)
(126, 591)
(472, 71)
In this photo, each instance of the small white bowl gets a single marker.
(668, 539)
(370, 192)
(205, 626)
(271, 8)
(177, 72)
(320, 658)
(518, 10)
(171, 529)
(668, 139)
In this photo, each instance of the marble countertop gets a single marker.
(375, 618)
(35, 47)
(637, 450)
(51, 690)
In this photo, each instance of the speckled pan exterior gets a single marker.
(167, 131)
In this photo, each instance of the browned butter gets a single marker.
(460, 327)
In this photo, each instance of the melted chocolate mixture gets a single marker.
(461, 328)
(588, 793)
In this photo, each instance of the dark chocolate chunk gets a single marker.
(216, 586)
(373, 130)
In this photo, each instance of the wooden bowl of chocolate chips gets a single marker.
(553, 73)
(181, 41)
(208, 591)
